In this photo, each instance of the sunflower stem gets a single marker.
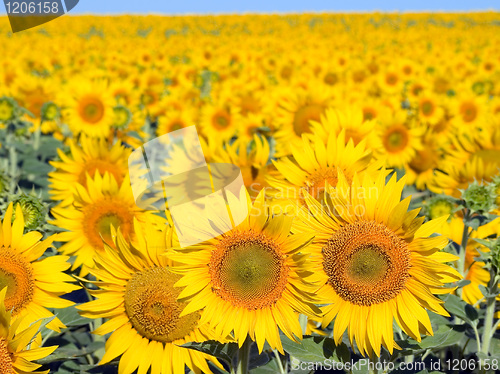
(463, 247)
(490, 313)
(244, 357)
(280, 363)
(12, 162)
(36, 137)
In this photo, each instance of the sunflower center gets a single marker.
(5, 358)
(102, 167)
(423, 161)
(369, 114)
(427, 108)
(391, 79)
(17, 275)
(303, 115)
(152, 307)
(366, 263)
(396, 139)
(91, 109)
(248, 270)
(99, 216)
(221, 120)
(468, 111)
(176, 125)
(316, 182)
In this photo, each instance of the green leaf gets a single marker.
(316, 349)
(224, 352)
(33, 166)
(70, 353)
(70, 317)
(445, 336)
(461, 309)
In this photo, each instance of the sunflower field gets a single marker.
(369, 149)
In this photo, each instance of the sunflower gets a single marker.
(375, 261)
(251, 279)
(252, 159)
(400, 141)
(295, 112)
(100, 204)
(456, 175)
(470, 113)
(315, 163)
(429, 109)
(474, 269)
(92, 156)
(420, 169)
(219, 120)
(15, 356)
(32, 284)
(357, 127)
(138, 297)
(174, 120)
(89, 108)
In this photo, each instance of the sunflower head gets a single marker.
(375, 261)
(15, 356)
(8, 109)
(439, 206)
(479, 197)
(145, 314)
(50, 111)
(33, 208)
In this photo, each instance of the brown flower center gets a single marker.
(152, 307)
(17, 275)
(366, 263)
(248, 270)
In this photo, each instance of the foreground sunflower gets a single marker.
(256, 281)
(375, 262)
(315, 163)
(138, 296)
(15, 356)
(96, 207)
(32, 284)
(93, 155)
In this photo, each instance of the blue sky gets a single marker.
(235, 6)
(231, 6)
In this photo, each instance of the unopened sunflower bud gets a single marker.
(439, 206)
(50, 111)
(123, 117)
(33, 208)
(479, 198)
(8, 109)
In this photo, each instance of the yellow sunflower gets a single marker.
(473, 269)
(375, 261)
(315, 163)
(219, 120)
(89, 108)
(138, 297)
(400, 141)
(100, 204)
(93, 155)
(15, 356)
(32, 284)
(455, 175)
(295, 111)
(252, 159)
(251, 280)
(420, 169)
(354, 123)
